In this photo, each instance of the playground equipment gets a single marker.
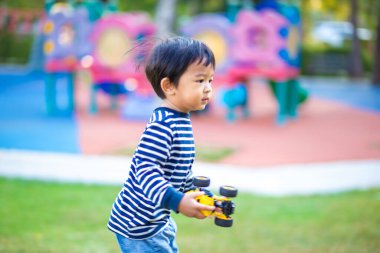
(60, 54)
(94, 8)
(292, 94)
(66, 30)
(83, 35)
(64, 44)
(263, 43)
(224, 207)
(235, 98)
(88, 35)
(119, 47)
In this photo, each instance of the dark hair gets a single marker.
(172, 57)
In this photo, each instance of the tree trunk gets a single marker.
(356, 69)
(165, 17)
(376, 67)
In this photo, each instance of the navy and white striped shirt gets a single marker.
(160, 174)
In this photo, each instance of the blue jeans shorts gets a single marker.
(162, 242)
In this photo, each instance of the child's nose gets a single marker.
(208, 87)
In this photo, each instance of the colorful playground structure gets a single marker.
(77, 39)
(116, 55)
(62, 47)
(263, 41)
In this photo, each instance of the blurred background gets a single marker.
(296, 87)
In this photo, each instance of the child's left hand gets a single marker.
(191, 208)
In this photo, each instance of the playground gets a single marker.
(82, 92)
(313, 162)
(339, 122)
(334, 150)
(302, 150)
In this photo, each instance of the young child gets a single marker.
(181, 71)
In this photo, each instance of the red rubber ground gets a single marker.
(325, 131)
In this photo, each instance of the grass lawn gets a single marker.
(56, 217)
(205, 154)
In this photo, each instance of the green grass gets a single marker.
(57, 217)
(203, 153)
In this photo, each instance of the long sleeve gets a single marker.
(160, 171)
(152, 153)
(189, 182)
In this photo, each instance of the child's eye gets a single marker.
(200, 81)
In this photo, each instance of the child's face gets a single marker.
(194, 89)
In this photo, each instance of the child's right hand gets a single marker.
(191, 208)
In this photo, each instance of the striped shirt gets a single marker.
(160, 174)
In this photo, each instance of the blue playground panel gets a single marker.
(24, 123)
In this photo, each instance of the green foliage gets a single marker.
(310, 52)
(205, 154)
(62, 217)
(124, 5)
(132, 5)
(14, 48)
(213, 154)
(23, 4)
(368, 59)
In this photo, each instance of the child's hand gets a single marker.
(191, 208)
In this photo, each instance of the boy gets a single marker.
(181, 71)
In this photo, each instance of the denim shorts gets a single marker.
(162, 242)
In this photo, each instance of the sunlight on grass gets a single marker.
(203, 153)
(58, 217)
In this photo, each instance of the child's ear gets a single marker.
(167, 87)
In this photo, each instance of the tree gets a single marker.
(376, 67)
(356, 63)
(165, 17)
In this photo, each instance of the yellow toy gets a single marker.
(224, 207)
